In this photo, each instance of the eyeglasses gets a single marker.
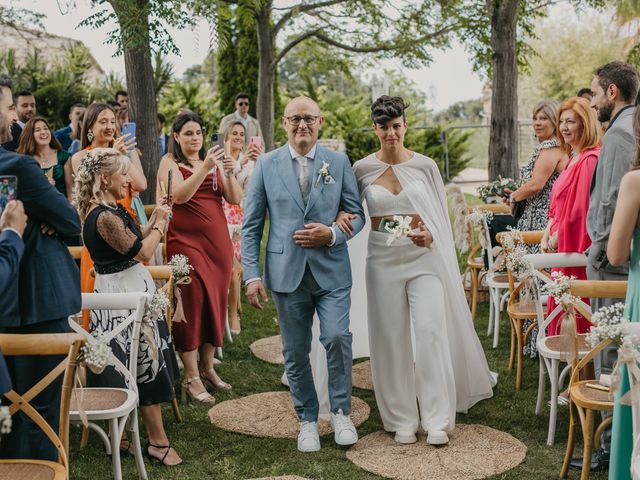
(308, 119)
(243, 104)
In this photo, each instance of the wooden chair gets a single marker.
(118, 406)
(43, 344)
(519, 311)
(585, 402)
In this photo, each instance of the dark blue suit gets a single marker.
(46, 293)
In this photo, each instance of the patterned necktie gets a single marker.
(303, 177)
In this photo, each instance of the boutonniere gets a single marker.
(325, 174)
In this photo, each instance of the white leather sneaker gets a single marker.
(308, 438)
(345, 431)
(405, 436)
(437, 437)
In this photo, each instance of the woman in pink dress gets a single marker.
(566, 230)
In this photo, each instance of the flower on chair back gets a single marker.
(95, 353)
(180, 267)
(560, 285)
(610, 323)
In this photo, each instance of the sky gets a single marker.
(447, 80)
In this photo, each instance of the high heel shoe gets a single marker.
(204, 397)
(219, 385)
(153, 458)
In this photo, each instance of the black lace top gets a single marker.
(112, 238)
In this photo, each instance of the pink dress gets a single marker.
(235, 213)
(568, 208)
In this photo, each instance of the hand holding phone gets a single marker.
(217, 139)
(129, 130)
(8, 190)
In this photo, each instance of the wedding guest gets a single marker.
(251, 125)
(118, 246)
(566, 229)
(623, 247)
(585, 93)
(244, 163)
(413, 289)
(75, 137)
(25, 107)
(198, 229)
(615, 88)
(46, 293)
(99, 130)
(163, 138)
(37, 141)
(66, 134)
(122, 98)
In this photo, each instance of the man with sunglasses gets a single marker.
(251, 125)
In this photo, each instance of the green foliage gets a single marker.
(467, 112)
(21, 17)
(162, 73)
(193, 95)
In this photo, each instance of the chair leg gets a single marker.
(176, 410)
(114, 434)
(84, 439)
(474, 292)
(520, 356)
(496, 319)
(587, 435)
(512, 353)
(491, 307)
(541, 385)
(570, 442)
(135, 434)
(553, 414)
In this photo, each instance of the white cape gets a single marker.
(474, 381)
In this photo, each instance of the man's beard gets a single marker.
(604, 112)
(5, 132)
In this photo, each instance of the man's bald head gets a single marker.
(303, 102)
(302, 121)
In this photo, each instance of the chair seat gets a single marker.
(522, 311)
(101, 403)
(476, 262)
(497, 280)
(551, 346)
(591, 398)
(31, 470)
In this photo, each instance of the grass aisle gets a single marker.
(215, 454)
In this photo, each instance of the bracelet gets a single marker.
(155, 227)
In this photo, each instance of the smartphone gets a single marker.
(129, 128)
(217, 139)
(257, 141)
(8, 190)
(169, 179)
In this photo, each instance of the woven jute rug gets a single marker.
(271, 414)
(286, 477)
(268, 349)
(361, 376)
(473, 452)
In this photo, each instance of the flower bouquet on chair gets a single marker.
(496, 191)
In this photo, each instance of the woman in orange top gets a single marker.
(99, 130)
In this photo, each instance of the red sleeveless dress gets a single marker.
(198, 230)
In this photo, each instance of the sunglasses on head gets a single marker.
(243, 104)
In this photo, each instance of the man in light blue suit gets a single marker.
(303, 186)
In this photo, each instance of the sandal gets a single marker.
(161, 460)
(218, 385)
(203, 397)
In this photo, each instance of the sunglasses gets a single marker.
(243, 104)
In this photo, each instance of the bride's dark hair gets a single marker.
(386, 108)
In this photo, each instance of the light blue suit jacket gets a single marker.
(274, 188)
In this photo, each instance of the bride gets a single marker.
(423, 345)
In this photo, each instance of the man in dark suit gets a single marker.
(47, 290)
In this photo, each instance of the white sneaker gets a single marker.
(405, 436)
(437, 437)
(345, 431)
(308, 438)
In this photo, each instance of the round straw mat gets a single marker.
(268, 349)
(473, 452)
(271, 414)
(361, 376)
(286, 477)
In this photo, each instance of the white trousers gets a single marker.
(404, 290)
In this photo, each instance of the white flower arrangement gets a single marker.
(399, 227)
(180, 267)
(96, 352)
(325, 174)
(497, 188)
(610, 323)
(516, 251)
(559, 286)
(480, 217)
(5, 421)
(156, 307)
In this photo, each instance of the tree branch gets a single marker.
(302, 9)
(299, 39)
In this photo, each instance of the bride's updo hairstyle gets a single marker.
(87, 187)
(386, 108)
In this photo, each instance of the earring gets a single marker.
(90, 135)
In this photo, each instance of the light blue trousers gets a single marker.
(295, 316)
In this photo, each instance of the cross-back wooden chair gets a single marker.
(584, 401)
(43, 344)
(518, 310)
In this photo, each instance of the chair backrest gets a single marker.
(527, 238)
(136, 302)
(46, 344)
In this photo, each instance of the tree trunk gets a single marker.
(503, 137)
(142, 100)
(265, 108)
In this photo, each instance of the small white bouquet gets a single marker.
(480, 217)
(514, 260)
(5, 421)
(610, 323)
(180, 267)
(560, 285)
(497, 188)
(156, 307)
(397, 228)
(96, 352)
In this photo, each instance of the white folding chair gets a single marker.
(118, 406)
(549, 347)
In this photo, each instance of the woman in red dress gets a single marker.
(566, 230)
(198, 230)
